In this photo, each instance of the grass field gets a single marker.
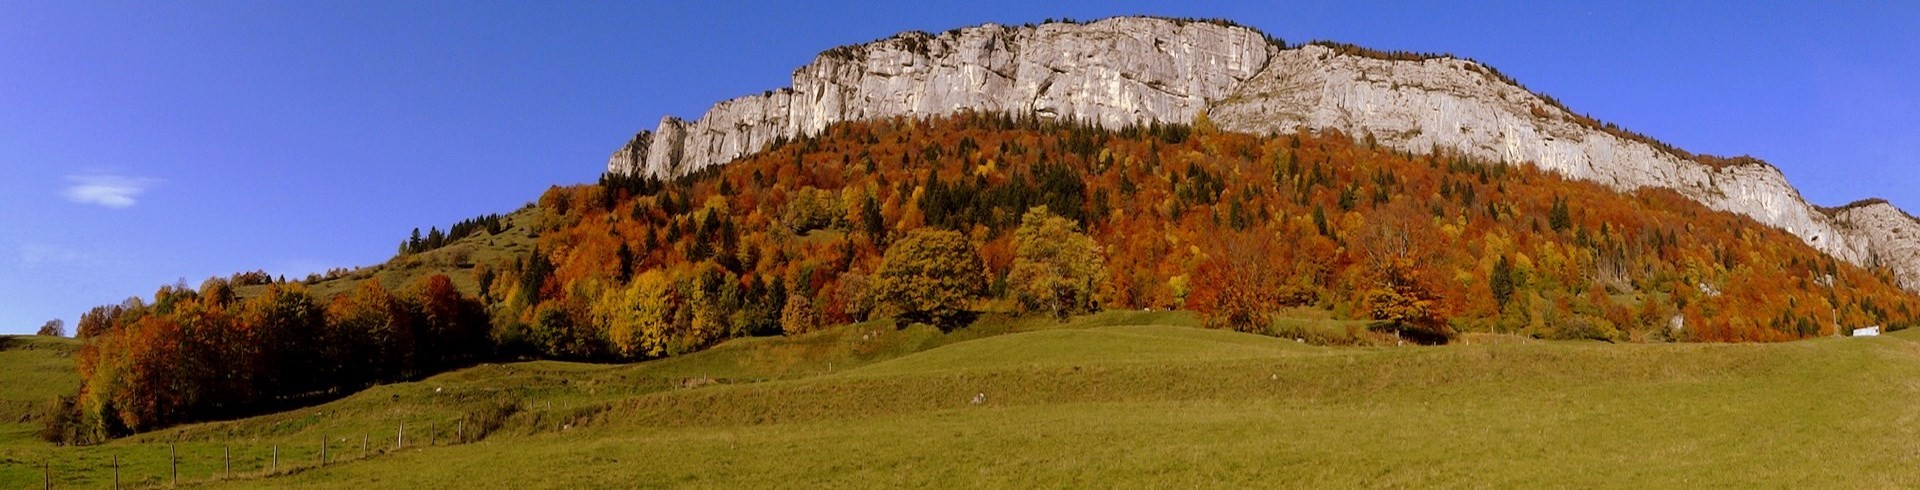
(1120, 398)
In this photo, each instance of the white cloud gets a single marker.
(113, 191)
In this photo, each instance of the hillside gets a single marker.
(1390, 246)
(38, 369)
(940, 219)
(1129, 252)
(1126, 71)
(1201, 219)
(1113, 399)
(457, 260)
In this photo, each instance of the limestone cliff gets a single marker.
(1123, 71)
(1114, 72)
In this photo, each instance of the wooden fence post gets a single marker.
(433, 434)
(116, 471)
(46, 474)
(363, 446)
(323, 450)
(276, 460)
(173, 461)
(226, 455)
(462, 431)
(400, 437)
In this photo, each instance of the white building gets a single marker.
(1873, 331)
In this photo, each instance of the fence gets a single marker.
(215, 461)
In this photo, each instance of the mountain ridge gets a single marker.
(1125, 71)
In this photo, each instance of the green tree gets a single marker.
(713, 295)
(871, 220)
(1559, 215)
(1056, 268)
(1502, 282)
(931, 276)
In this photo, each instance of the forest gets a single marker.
(936, 220)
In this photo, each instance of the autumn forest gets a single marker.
(935, 221)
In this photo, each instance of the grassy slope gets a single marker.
(456, 260)
(1120, 397)
(37, 369)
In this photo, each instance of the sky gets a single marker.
(143, 143)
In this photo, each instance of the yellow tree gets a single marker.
(639, 319)
(1056, 268)
(931, 276)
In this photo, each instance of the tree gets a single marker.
(1395, 291)
(1056, 268)
(1408, 307)
(53, 328)
(1241, 283)
(870, 219)
(810, 209)
(639, 318)
(1502, 283)
(98, 321)
(558, 331)
(452, 327)
(713, 294)
(384, 327)
(1230, 297)
(1559, 215)
(149, 393)
(931, 276)
(851, 299)
(798, 316)
(286, 324)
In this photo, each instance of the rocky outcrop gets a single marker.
(1113, 72)
(1125, 71)
(1886, 235)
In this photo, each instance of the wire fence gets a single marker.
(203, 462)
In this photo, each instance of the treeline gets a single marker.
(202, 354)
(434, 239)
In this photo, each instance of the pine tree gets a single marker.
(1559, 216)
(1502, 282)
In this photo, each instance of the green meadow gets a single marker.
(1114, 399)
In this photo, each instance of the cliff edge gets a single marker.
(1135, 70)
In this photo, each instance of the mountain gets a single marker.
(1320, 236)
(1136, 70)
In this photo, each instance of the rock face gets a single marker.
(1888, 236)
(1123, 71)
(1113, 72)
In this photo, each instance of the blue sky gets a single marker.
(145, 142)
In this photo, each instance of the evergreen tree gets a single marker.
(1502, 282)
